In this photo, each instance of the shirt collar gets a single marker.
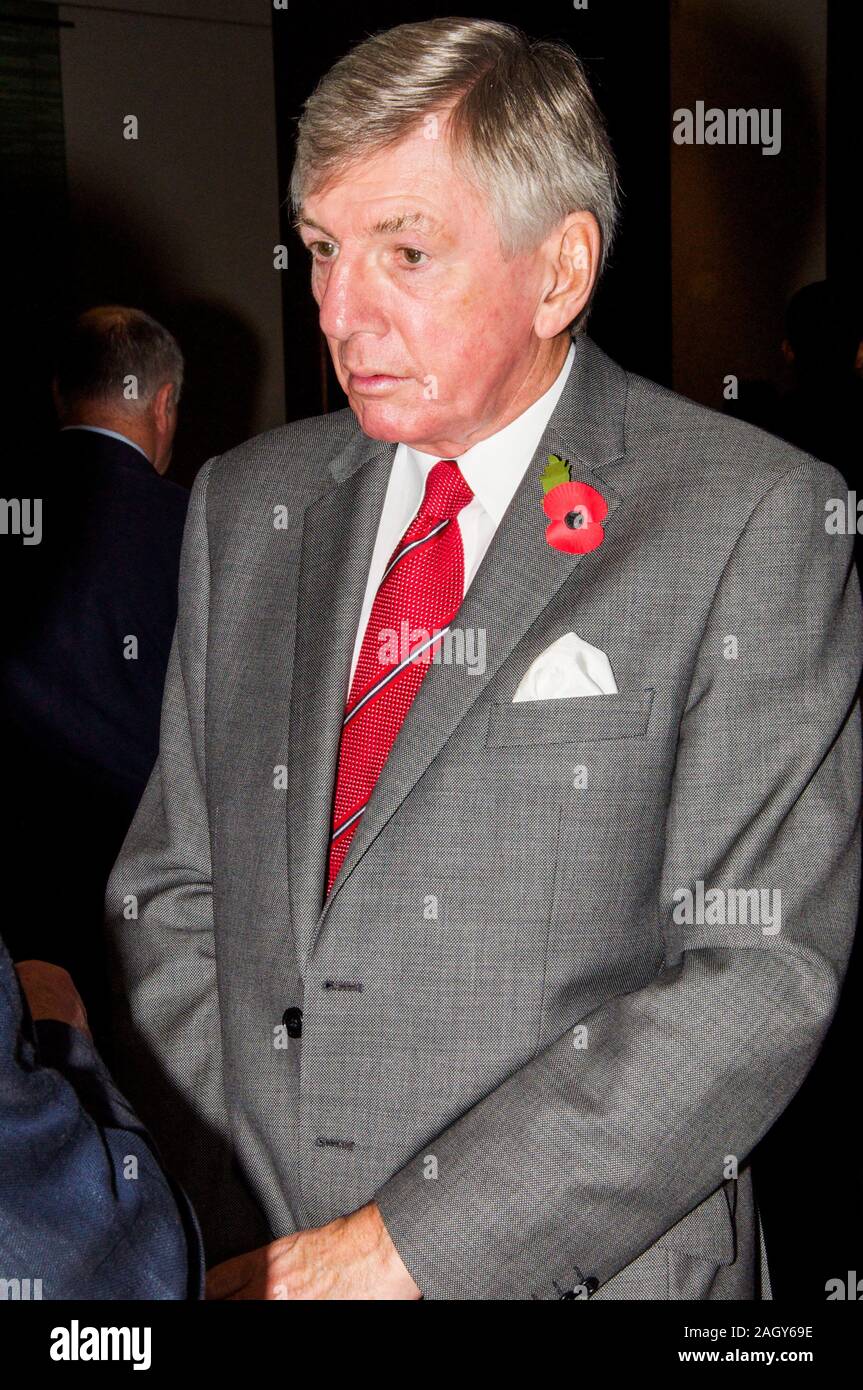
(494, 467)
(98, 429)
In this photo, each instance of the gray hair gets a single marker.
(106, 345)
(524, 125)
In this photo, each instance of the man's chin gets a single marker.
(385, 421)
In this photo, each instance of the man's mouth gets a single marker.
(373, 383)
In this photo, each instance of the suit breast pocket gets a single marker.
(535, 723)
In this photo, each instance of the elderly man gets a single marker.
(471, 977)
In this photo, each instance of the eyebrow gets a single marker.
(385, 226)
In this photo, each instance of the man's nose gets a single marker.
(351, 299)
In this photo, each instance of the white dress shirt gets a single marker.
(492, 469)
(112, 434)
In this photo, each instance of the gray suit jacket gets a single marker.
(487, 905)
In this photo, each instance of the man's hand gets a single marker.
(51, 993)
(351, 1257)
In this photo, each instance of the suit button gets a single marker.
(589, 1285)
(293, 1021)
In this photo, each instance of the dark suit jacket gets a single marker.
(85, 1207)
(81, 716)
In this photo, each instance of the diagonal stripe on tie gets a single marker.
(420, 593)
(391, 675)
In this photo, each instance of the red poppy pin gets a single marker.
(576, 510)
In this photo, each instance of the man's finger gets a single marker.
(225, 1279)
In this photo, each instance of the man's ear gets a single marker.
(788, 352)
(163, 404)
(573, 253)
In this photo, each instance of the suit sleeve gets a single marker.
(159, 927)
(585, 1157)
(85, 1208)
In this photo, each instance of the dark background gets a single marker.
(74, 239)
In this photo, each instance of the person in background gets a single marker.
(86, 1210)
(89, 631)
(823, 345)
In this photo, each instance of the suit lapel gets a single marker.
(339, 532)
(517, 578)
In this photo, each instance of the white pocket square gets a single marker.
(570, 666)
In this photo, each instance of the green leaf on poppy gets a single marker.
(555, 472)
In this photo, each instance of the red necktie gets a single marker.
(419, 595)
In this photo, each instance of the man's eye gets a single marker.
(326, 251)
